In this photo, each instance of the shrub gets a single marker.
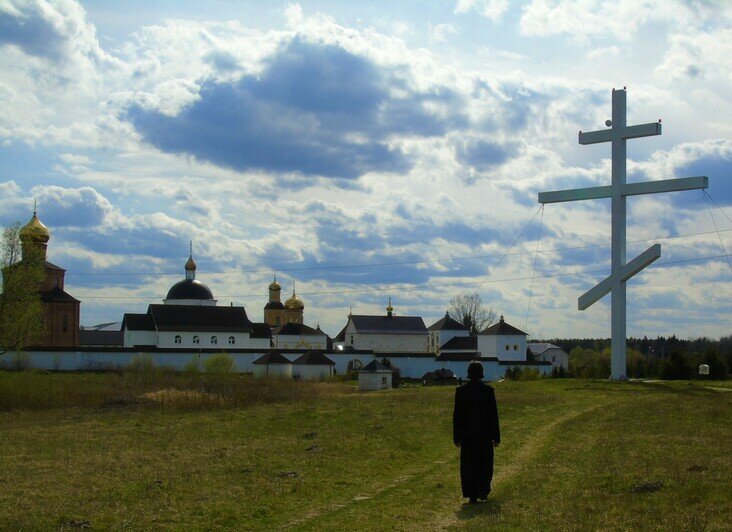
(192, 366)
(141, 364)
(221, 363)
(518, 373)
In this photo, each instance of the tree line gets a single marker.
(662, 357)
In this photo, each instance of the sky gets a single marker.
(367, 150)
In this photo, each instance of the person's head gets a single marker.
(475, 371)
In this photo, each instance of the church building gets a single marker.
(190, 319)
(60, 309)
(277, 314)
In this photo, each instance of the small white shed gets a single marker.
(374, 376)
(272, 364)
(312, 365)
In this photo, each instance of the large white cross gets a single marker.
(618, 134)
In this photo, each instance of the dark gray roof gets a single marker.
(502, 328)
(460, 342)
(388, 324)
(272, 357)
(274, 305)
(447, 324)
(313, 358)
(441, 374)
(189, 289)
(261, 330)
(298, 329)
(137, 322)
(375, 366)
(102, 338)
(203, 318)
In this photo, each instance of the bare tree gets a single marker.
(470, 312)
(11, 249)
(21, 310)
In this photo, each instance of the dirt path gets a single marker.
(448, 518)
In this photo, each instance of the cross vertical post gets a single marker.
(620, 271)
(618, 231)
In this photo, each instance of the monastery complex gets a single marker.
(189, 326)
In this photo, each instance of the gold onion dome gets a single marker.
(35, 231)
(190, 264)
(274, 286)
(294, 303)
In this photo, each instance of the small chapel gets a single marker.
(60, 309)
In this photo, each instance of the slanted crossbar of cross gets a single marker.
(621, 272)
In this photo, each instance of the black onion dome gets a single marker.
(189, 289)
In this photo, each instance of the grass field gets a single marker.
(135, 452)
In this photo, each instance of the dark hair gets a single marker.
(475, 370)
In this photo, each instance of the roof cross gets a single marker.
(621, 271)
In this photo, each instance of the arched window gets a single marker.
(232, 340)
(178, 339)
(196, 340)
(214, 340)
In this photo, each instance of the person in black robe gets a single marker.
(476, 433)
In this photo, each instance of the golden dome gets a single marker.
(190, 264)
(35, 231)
(294, 303)
(274, 286)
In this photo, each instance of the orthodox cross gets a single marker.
(621, 271)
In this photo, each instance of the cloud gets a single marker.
(315, 110)
(697, 56)
(491, 9)
(440, 32)
(483, 154)
(71, 207)
(621, 20)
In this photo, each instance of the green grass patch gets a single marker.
(217, 451)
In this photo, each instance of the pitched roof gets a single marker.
(374, 366)
(260, 330)
(202, 318)
(388, 324)
(341, 336)
(447, 324)
(56, 294)
(138, 322)
(299, 329)
(460, 342)
(539, 348)
(313, 358)
(272, 357)
(502, 328)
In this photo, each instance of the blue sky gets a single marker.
(368, 150)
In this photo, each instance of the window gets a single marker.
(351, 339)
(515, 347)
(508, 347)
(214, 340)
(65, 323)
(232, 340)
(196, 340)
(383, 381)
(177, 339)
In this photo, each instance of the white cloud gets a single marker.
(491, 9)
(440, 32)
(694, 57)
(603, 52)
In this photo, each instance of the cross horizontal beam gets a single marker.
(629, 189)
(629, 270)
(629, 132)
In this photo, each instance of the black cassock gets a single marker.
(475, 428)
